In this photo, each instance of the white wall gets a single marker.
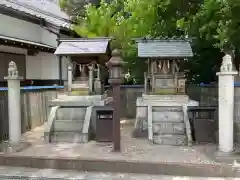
(65, 63)
(42, 66)
(25, 30)
(45, 66)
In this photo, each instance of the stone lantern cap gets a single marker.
(116, 59)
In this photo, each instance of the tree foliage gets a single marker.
(213, 24)
(216, 28)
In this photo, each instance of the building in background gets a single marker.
(29, 32)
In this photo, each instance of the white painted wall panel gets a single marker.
(65, 63)
(42, 66)
(50, 66)
(17, 28)
(33, 67)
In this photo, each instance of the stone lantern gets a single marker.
(115, 65)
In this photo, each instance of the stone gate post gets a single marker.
(70, 78)
(14, 108)
(226, 105)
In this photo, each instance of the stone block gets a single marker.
(169, 128)
(141, 112)
(166, 98)
(71, 113)
(167, 116)
(69, 137)
(177, 140)
(167, 109)
(68, 125)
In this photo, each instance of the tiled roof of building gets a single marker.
(46, 9)
(164, 48)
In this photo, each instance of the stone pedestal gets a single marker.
(226, 107)
(164, 118)
(72, 117)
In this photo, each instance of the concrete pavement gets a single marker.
(15, 173)
(136, 156)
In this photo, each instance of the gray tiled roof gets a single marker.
(82, 46)
(46, 9)
(164, 49)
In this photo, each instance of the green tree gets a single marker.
(216, 24)
(125, 20)
(213, 24)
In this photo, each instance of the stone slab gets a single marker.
(81, 98)
(119, 166)
(140, 123)
(69, 137)
(177, 140)
(141, 112)
(79, 103)
(68, 125)
(13, 173)
(184, 98)
(167, 117)
(71, 113)
(144, 102)
(140, 128)
(166, 109)
(169, 128)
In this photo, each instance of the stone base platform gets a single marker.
(136, 156)
(73, 118)
(162, 118)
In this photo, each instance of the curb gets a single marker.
(120, 166)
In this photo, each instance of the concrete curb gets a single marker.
(120, 166)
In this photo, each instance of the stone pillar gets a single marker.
(14, 107)
(226, 105)
(70, 78)
(98, 72)
(90, 80)
(97, 81)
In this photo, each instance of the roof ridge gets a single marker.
(39, 10)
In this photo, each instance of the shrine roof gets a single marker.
(80, 46)
(167, 48)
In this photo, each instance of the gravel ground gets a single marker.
(51, 174)
(131, 149)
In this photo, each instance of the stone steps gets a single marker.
(72, 129)
(170, 139)
(71, 113)
(68, 125)
(68, 137)
(168, 126)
